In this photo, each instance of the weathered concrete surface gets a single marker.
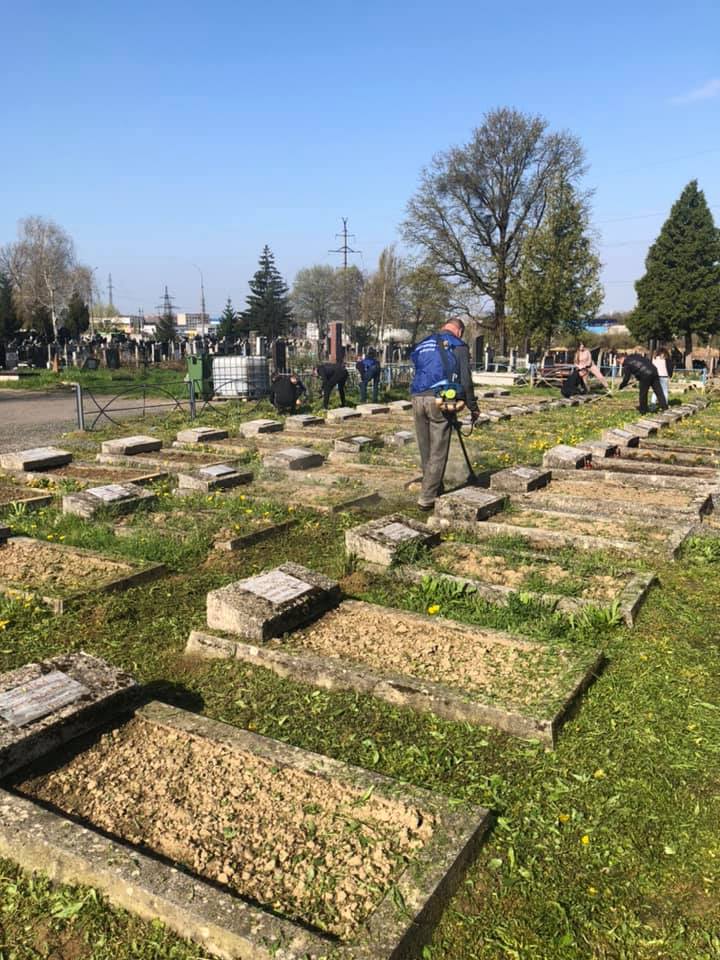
(38, 458)
(217, 477)
(519, 479)
(400, 438)
(379, 541)
(602, 509)
(400, 406)
(468, 504)
(201, 435)
(372, 409)
(566, 457)
(115, 498)
(251, 428)
(129, 446)
(496, 415)
(642, 427)
(355, 444)
(109, 691)
(243, 540)
(271, 603)
(621, 437)
(342, 413)
(293, 458)
(225, 925)
(599, 449)
(302, 421)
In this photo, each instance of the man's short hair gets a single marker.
(457, 322)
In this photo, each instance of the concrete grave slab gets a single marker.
(621, 437)
(428, 664)
(400, 438)
(516, 411)
(61, 576)
(355, 444)
(115, 498)
(642, 427)
(569, 401)
(243, 913)
(469, 504)
(129, 446)
(497, 415)
(519, 479)
(372, 409)
(293, 458)
(303, 420)
(400, 406)
(251, 428)
(201, 435)
(271, 603)
(565, 457)
(599, 449)
(220, 476)
(38, 458)
(379, 541)
(45, 704)
(342, 413)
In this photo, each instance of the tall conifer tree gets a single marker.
(679, 295)
(268, 306)
(9, 319)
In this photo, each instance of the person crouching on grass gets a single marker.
(638, 366)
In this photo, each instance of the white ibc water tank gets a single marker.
(247, 377)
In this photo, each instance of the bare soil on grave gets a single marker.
(590, 528)
(96, 474)
(511, 672)
(648, 496)
(39, 564)
(465, 560)
(10, 494)
(311, 848)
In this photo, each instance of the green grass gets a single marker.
(103, 381)
(607, 848)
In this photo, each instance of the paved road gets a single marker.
(30, 418)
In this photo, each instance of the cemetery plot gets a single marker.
(174, 460)
(39, 458)
(382, 541)
(323, 493)
(281, 849)
(687, 457)
(555, 580)
(90, 474)
(60, 575)
(113, 498)
(130, 446)
(607, 499)
(218, 476)
(11, 496)
(428, 664)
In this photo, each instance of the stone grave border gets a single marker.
(61, 603)
(243, 540)
(400, 690)
(143, 480)
(31, 499)
(223, 923)
(593, 508)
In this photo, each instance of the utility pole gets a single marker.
(110, 290)
(345, 249)
(203, 315)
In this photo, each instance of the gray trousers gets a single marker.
(434, 432)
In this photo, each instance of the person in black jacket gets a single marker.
(638, 366)
(285, 392)
(332, 375)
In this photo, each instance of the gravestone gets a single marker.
(116, 498)
(400, 405)
(272, 603)
(516, 411)
(380, 540)
(293, 458)
(342, 413)
(644, 427)
(565, 457)
(43, 705)
(129, 446)
(302, 420)
(600, 449)
(354, 444)
(519, 480)
(469, 505)
(38, 458)
(496, 415)
(201, 435)
(253, 427)
(219, 476)
(372, 409)
(569, 402)
(621, 437)
(400, 438)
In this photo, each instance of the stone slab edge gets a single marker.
(225, 925)
(255, 536)
(61, 604)
(32, 501)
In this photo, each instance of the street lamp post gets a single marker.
(202, 299)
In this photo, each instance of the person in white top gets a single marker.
(586, 365)
(663, 365)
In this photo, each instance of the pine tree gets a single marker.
(679, 295)
(9, 319)
(557, 289)
(76, 317)
(268, 307)
(229, 326)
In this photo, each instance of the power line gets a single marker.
(345, 249)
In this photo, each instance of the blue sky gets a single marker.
(164, 136)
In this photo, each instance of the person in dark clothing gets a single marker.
(332, 375)
(572, 384)
(441, 359)
(285, 392)
(369, 370)
(638, 366)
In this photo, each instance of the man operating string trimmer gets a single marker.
(441, 388)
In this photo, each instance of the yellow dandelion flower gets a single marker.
(433, 609)
(3, 624)
(564, 817)
(592, 891)
(585, 840)
(599, 774)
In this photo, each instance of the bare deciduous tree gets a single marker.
(43, 269)
(477, 203)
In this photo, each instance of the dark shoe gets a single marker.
(426, 507)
